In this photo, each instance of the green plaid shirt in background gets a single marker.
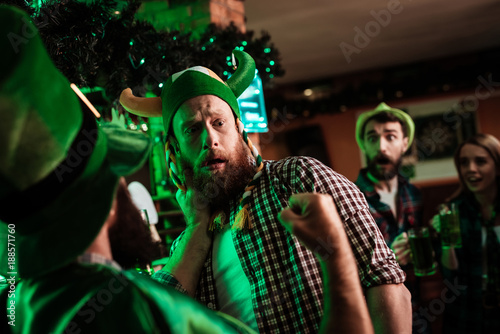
(285, 278)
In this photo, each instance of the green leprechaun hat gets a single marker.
(58, 168)
(381, 108)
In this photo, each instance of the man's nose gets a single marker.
(211, 139)
(382, 145)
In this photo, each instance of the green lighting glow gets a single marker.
(225, 73)
(229, 63)
(174, 38)
(267, 50)
(271, 62)
(211, 40)
(268, 69)
(142, 61)
(160, 85)
(203, 48)
(244, 43)
(271, 76)
(228, 58)
(131, 42)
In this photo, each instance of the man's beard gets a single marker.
(384, 174)
(131, 242)
(218, 188)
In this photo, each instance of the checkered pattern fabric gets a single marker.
(409, 207)
(285, 278)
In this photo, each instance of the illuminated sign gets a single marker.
(252, 107)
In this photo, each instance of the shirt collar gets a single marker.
(94, 258)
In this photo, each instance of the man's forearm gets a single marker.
(345, 309)
(189, 257)
(390, 308)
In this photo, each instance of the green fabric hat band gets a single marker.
(190, 83)
(382, 107)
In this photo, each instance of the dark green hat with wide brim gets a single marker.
(59, 169)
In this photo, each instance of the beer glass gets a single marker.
(422, 252)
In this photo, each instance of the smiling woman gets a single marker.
(476, 264)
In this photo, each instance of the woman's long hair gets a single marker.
(487, 142)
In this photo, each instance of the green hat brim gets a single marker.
(401, 115)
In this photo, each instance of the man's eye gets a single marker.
(191, 130)
(391, 137)
(219, 122)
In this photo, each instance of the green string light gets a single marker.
(211, 40)
(244, 43)
(267, 50)
(142, 61)
(271, 62)
(268, 69)
(203, 48)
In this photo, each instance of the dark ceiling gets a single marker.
(324, 38)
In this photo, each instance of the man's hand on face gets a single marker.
(401, 247)
(196, 211)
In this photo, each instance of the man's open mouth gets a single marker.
(383, 161)
(214, 163)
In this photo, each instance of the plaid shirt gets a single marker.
(409, 207)
(285, 278)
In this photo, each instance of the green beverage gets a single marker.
(421, 249)
(449, 221)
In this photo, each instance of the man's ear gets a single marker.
(405, 143)
(174, 145)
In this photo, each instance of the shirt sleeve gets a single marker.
(164, 277)
(375, 260)
(167, 279)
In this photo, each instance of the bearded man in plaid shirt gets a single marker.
(384, 135)
(234, 255)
